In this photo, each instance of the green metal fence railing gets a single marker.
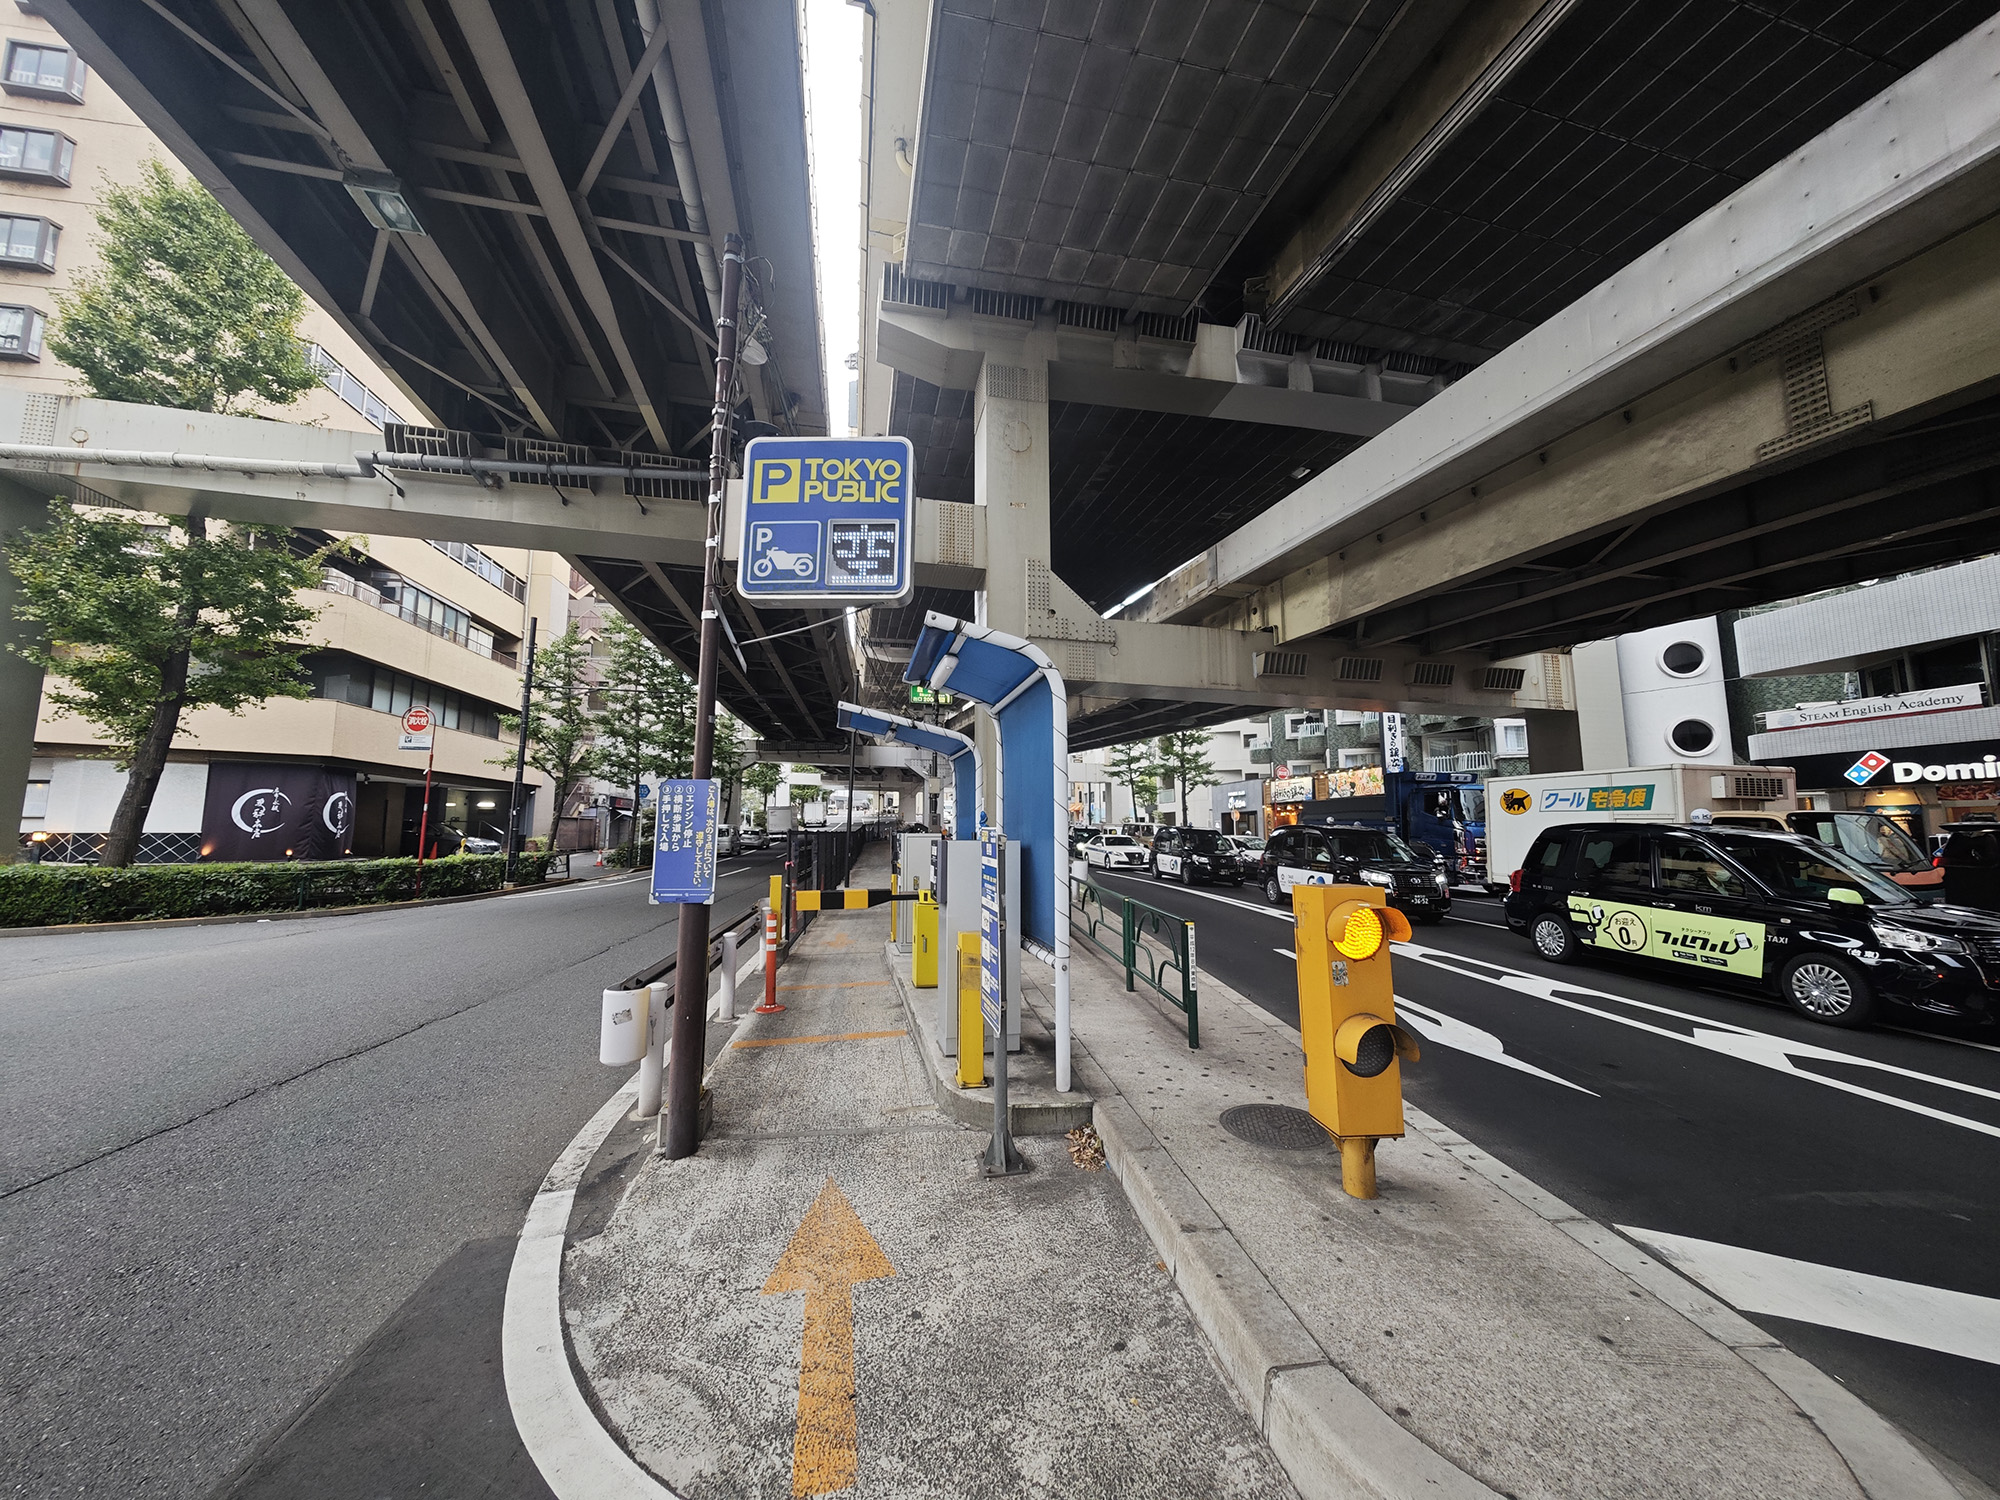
(1146, 942)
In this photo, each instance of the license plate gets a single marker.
(1416, 900)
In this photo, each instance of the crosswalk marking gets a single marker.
(1905, 1312)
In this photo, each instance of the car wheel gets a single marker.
(1187, 873)
(1273, 892)
(1156, 869)
(1827, 989)
(1554, 938)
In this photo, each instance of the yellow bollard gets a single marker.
(923, 951)
(894, 907)
(778, 902)
(971, 1035)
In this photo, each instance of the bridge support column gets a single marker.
(1010, 477)
(20, 679)
(1555, 740)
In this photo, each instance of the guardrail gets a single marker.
(1148, 943)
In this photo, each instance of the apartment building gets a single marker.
(403, 622)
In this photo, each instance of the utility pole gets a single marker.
(681, 1128)
(520, 760)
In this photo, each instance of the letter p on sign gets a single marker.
(775, 482)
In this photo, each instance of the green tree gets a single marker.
(643, 723)
(560, 721)
(732, 755)
(1136, 765)
(1184, 756)
(183, 309)
(143, 624)
(763, 777)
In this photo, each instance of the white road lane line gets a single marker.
(1780, 1054)
(1474, 921)
(1288, 953)
(1939, 1036)
(1281, 913)
(1448, 1031)
(1905, 1312)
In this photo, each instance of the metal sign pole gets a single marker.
(681, 1133)
(424, 821)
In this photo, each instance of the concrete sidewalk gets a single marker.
(830, 1297)
(1464, 1335)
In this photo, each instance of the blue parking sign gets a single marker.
(826, 521)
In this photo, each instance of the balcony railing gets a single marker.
(336, 582)
(1473, 760)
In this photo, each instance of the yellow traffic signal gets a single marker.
(1347, 1020)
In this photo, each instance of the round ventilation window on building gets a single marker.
(1692, 736)
(1683, 659)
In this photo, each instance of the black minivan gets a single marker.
(1830, 936)
(1195, 856)
(1417, 885)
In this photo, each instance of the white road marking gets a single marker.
(1780, 1054)
(1905, 1312)
(1474, 921)
(578, 884)
(1288, 953)
(1938, 1036)
(1448, 1031)
(577, 1457)
(1283, 914)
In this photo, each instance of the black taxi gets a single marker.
(1833, 939)
(1329, 854)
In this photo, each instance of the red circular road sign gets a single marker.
(417, 721)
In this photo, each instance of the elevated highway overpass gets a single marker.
(1413, 342)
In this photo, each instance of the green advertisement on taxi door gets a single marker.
(1708, 942)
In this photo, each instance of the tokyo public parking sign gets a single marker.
(826, 521)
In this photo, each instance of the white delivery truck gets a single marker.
(1519, 807)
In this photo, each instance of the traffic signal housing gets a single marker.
(1347, 1020)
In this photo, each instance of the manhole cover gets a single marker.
(1277, 1125)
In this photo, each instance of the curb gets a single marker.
(230, 918)
(974, 1107)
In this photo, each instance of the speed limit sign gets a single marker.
(417, 730)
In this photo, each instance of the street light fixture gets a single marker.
(382, 200)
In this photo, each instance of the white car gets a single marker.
(1115, 851)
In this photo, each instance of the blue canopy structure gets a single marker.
(949, 743)
(1023, 691)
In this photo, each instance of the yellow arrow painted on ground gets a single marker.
(831, 1251)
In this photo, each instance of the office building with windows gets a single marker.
(401, 622)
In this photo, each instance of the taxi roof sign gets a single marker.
(827, 521)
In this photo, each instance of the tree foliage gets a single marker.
(764, 777)
(141, 625)
(183, 309)
(560, 720)
(644, 721)
(1184, 756)
(1137, 766)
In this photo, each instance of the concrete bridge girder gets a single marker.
(1913, 167)
(1922, 337)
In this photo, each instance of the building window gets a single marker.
(1510, 738)
(1884, 680)
(40, 155)
(350, 679)
(337, 378)
(28, 242)
(20, 333)
(468, 556)
(43, 72)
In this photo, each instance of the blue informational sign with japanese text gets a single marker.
(684, 844)
(826, 521)
(992, 932)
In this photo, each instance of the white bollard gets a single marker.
(621, 1033)
(652, 1063)
(729, 975)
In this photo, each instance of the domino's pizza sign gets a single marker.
(1863, 770)
(826, 521)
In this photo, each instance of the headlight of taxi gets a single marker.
(1443, 880)
(1914, 940)
(1378, 877)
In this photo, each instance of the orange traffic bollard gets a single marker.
(770, 1004)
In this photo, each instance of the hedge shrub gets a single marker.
(57, 895)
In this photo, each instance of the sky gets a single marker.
(833, 108)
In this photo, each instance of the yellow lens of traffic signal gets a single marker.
(1360, 935)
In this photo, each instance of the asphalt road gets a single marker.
(259, 1185)
(1669, 1107)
